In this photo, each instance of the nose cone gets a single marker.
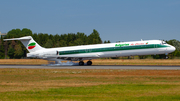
(171, 49)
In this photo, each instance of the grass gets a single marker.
(166, 62)
(80, 85)
(23, 61)
(109, 92)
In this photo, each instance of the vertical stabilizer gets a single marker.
(29, 43)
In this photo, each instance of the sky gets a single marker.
(115, 20)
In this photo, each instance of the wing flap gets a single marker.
(93, 55)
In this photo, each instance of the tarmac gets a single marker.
(93, 67)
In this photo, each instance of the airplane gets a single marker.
(89, 52)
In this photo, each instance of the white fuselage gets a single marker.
(87, 52)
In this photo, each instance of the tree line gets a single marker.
(15, 49)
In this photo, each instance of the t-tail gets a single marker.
(29, 43)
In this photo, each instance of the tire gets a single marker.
(81, 63)
(89, 63)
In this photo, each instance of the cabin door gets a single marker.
(155, 46)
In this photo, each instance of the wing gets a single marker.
(77, 57)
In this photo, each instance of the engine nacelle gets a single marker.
(32, 55)
(47, 54)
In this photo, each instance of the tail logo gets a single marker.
(32, 45)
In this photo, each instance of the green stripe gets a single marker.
(112, 49)
(32, 44)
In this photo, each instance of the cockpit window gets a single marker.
(163, 42)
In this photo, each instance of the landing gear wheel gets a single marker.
(89, 63)
(81, 63)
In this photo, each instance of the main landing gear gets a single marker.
(89, 63)
(81, 63)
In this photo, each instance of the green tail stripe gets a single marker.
(32, 44)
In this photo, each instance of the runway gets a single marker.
(93, 67)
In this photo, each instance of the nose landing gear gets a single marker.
(166, 56)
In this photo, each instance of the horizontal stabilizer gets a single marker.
(22, 38)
